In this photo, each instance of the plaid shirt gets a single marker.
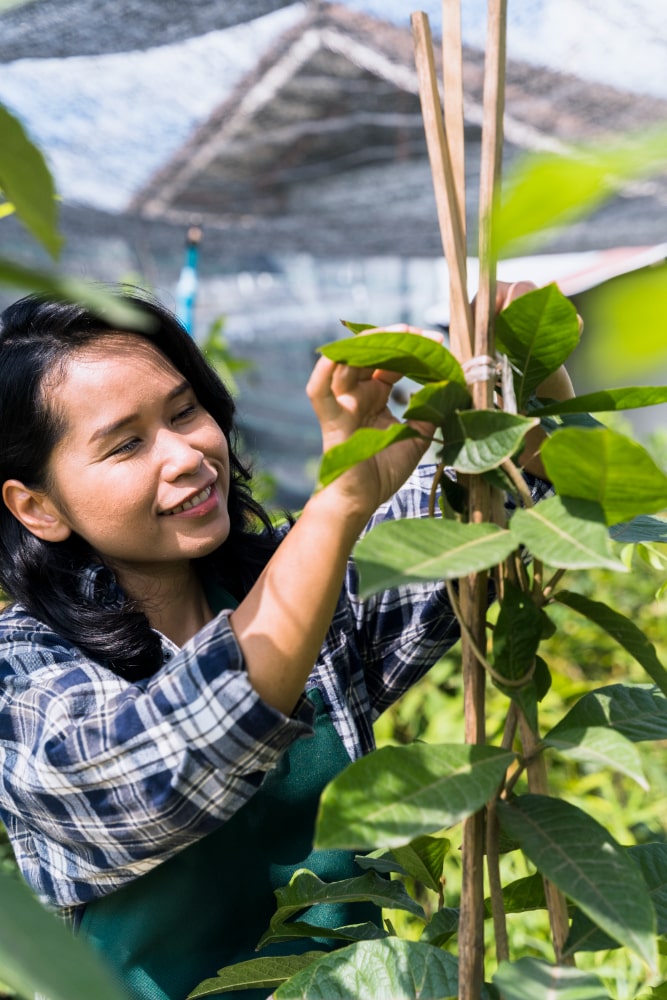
(102, 778)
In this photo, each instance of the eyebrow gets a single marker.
(109, 429)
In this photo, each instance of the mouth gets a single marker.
(193, 501)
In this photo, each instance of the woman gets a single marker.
(164, 660)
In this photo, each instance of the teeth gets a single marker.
(204, 495)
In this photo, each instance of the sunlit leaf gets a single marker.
(423, 859)
(483, 439)
(398, 793)
(584, 861)
(538, 332)
(392, 969)
(566, 532)
(416, 550)
(545, 190)
(258, 973)
(26, 181)
(620, 628)
(608, 400)
(38, 954)
(534, 979)
(437, 402)
(420, 358)
(363, 444)
(94, 297)
(359, 327)
(651, 860)
(600, 747)
(607, 467)
(638, 712)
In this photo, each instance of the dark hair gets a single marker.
(36, 337)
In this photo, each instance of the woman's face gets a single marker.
(142, 470)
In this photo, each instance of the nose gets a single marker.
(180, 456)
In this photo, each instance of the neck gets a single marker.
(173, 600)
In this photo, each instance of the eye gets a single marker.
(127, 447)
(186, 411)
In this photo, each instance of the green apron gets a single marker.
(208, 906)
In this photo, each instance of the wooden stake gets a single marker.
(446, 199)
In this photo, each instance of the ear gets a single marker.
(35, 511)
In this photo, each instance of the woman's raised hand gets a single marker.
(346, 399)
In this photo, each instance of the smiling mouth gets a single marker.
(193, 502)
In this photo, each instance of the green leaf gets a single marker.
(94, 297)
(442, 926)
(297, 929)
(516, 637)
(483, 439)
(544, 190)
(423, 859)
(437, 402)
(377, 970)
(266, 973)
(27, 182)
(620, 628)
(379, 861)
(651, 860)
(640, 529)
(414, 550)
(601, 747)
(39, 954)
(535, 979)
(305, 890)
(537, 332)
(607, 467)
(363, 444)
(420, 358)
(398, 793)
(638, 712)
(585, 862)
(356, 328)
(631, 310)
(522, 895)
(609, 400)
(566, 533)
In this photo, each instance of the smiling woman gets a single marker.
(167, 649)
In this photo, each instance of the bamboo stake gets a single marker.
(446, 199)
(452, 78)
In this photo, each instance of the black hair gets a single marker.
(37, 335)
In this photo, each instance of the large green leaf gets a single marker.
(651, 860)
(94, 297)
(483, 439)
(631, 310)
(537, 332)
(546, 189)
(392, 969)
(600, 747)
(305, 890)
(638, 712)
(437, 402)
(416, 550)
(608, 400)
(423, 859)
(420, 358)
(622, 629)
(398, 793)
(607, 467)
(534, 979)
(585, 862)
(38, 954)
(26, 181)
(363, 444)
(567, 533)
(258, 973)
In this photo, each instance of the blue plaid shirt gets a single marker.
(102, 778)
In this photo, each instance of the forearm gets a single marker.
(281, 624)
(557, 386)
